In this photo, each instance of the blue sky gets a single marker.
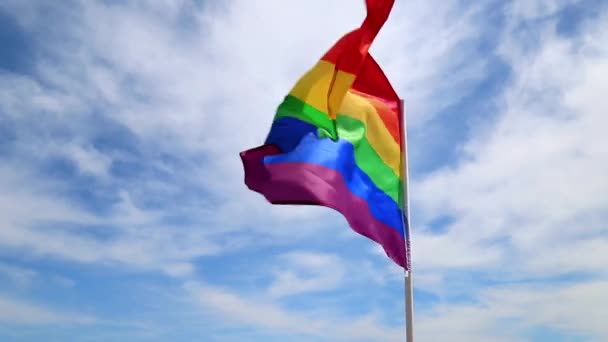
(125, 216)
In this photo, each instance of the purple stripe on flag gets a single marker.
(307, 183)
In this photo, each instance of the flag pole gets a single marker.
(408, 276)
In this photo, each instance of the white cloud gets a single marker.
(526, 10)
(179, 269)
(26, 197)
(90, 160)
(17, 312)
(541, 167)
(34, 215)
(572, 308)
(273, 318)
(526, 198)
(305, 272)
(22, 277)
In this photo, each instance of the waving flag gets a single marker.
(336, 141)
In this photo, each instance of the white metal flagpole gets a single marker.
(409, 285)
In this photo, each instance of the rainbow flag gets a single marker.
(336, 141)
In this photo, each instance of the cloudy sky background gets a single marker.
(124, 216)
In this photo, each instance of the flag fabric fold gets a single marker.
(336, 141)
